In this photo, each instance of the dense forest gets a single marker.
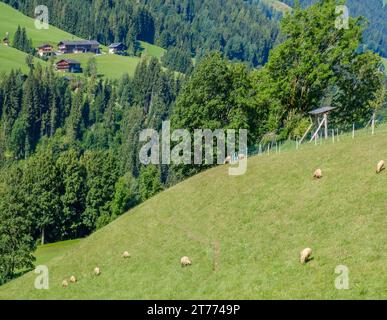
(242, 30)
(375, 11)
(69, 147)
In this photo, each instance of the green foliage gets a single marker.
(375, 12)
(21, 41)
(72, 194)
(91, 68)
(41, 183)
(178, 60)
(126, 195)
(16, 242)
(218, 95)
(101, 178)
(149, 182)
(318, 60)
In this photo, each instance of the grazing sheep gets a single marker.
(241, 156)
(73, 279)
(65, 284)
(185, 261)
(318, 174)
(227, 160)
(97, 271)
(305, 255)
(380, 167)
(126, 255)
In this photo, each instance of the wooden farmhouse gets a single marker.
(81, 46)
(68, 65)
(45, 50)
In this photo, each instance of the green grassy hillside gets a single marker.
(11, 18)
(47, 252)
(11, 58)
(243, 234)
(111, 66)
(108, 65)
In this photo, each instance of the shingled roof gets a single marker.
(69, 61)
(79, 43)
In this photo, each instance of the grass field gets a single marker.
(385, 65)
(243, 234)
(47, 252)
(11, 18)
(111, 66)
(11, 58)
(114, 66)
(108, 65)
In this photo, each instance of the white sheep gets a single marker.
(227, 160)
(65, 284)
(241, 156)
(318, 174)
(305, 255)
(97, 271)
(126, 255)
(73, 279)
(380, 167)
(185, 261)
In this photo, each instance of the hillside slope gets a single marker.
(12, 59)
(243, 234)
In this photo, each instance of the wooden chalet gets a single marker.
(68, 65)
(81, 46)
(45, 50)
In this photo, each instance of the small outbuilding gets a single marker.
(117, 48)
(321, 119)
(6, 41)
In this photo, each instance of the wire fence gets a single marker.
(334, 135)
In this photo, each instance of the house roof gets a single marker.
(321, 111)
(69, 61)
(45, 45)
(116, 45)
(79, 43)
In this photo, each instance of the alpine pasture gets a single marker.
(243, 234)
(110, 66)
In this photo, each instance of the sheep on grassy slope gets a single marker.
(73, 279)
(318, 174)
(126, 255)
(97, 271)
(185, 261)
(380, 167)
(65, 284)
(305, 255)
(227, 160)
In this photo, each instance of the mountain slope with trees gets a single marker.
(69, 148)
(242, 30)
